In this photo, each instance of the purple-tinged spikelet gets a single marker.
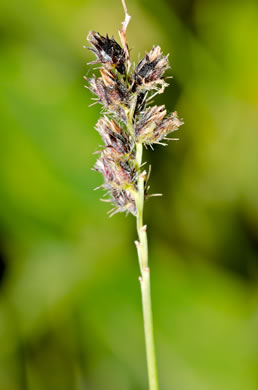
(114, 135)
(148, 73)
(107, 51)
(155, 125)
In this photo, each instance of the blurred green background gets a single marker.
(70, 310)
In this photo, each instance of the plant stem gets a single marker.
(142, 249)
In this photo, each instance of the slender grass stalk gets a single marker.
(142, 249)
(130, 122)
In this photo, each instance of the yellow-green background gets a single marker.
(70, 312)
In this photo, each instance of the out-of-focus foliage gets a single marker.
(70, 314)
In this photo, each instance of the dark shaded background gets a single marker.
(70, 312)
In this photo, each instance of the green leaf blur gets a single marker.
(70, 310)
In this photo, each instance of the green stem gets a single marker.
(142, 249)
(130, 114)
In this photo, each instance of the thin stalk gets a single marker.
(142, 249)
